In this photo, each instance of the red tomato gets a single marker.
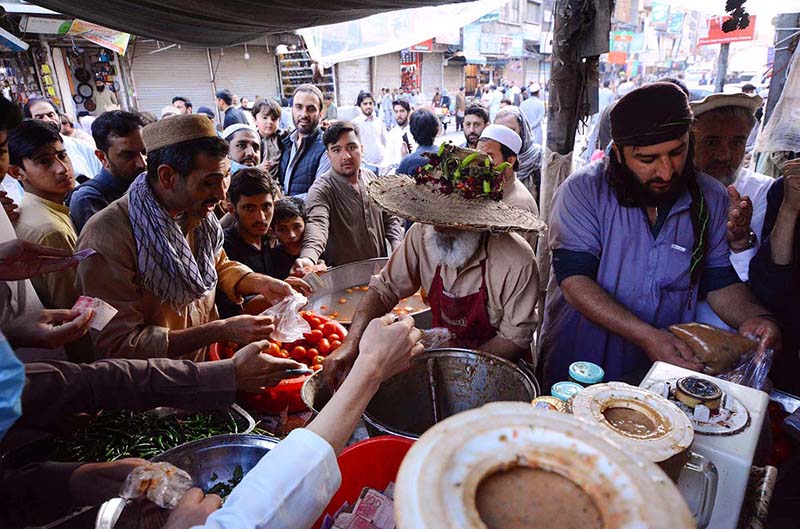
(315, 323)
(316, 367)
(324, 346)
(318, 359)
(283, 354)
(314, 336)
(312, 353)
(335, 337)
(273, 349)
(298, 353)
(330, 328)
(335, 344)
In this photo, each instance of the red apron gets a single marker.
(467, 317)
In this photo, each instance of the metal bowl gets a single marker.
(336, 280)
(441, 383)
(316, 393)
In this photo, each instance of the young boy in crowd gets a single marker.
(288, 227)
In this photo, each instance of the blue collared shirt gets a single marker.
(93, 196)
(413, 161)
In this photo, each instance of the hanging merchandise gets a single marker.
(46, 76)
(296, 68)
(18, 78)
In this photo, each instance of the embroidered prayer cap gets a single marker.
(504, 136)
(230, 130)
(654, 113)
(177, 129)
(714, 101)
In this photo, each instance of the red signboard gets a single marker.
(425, 46)
(717, 36)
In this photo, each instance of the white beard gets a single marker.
(451, 249)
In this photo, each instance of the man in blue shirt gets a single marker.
(118, 135)
(424, 126)
(636, 239)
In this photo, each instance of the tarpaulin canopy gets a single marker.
(216, 23)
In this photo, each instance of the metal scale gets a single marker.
(726, 436)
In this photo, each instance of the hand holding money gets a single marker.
(23, 260)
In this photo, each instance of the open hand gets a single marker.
(664, 346)
(47, 328)
(256, 370)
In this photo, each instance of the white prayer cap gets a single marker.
(230, 130)
(504, 136)
(169, 110)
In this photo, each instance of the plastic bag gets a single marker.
(751, 370)
(290, 326)
(163, 483)
(436, 337)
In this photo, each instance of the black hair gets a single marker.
(250, 182)
(309, 88)
(749, 87)
(336, 130)
(10, 114)
(424, 126)
(402, 103)
(117, 123)
(508, 153)
(32, 101)
(186, 100)
(288, 208)
(606, 83)
(226, 96)
(30, 136)
(362, 96)
(477, 110)
(270, 105)
(629, 193)
(506, 101)
(182, 156)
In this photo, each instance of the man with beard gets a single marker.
(372, 132)
(475, 120)
(399, 141)
(636, 239)
(481, 280)
(722, 125)
(118, 135)
(245, 146)
(304, 157)
(340, 220)
(163, 248)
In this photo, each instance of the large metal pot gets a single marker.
(315, 393)
(336, 280)
(441, 383)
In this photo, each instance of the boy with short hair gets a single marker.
(40, 162)
(288, 227)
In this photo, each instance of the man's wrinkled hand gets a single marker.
(23, 260)
(256, 370)
(740, 214)
(193, 510)
(47, 329)
(664, 346)
(765, 330)
(94, 483)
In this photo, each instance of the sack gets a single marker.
(290, 326)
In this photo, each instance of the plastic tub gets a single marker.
(371, 463)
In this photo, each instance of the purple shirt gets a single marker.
(647, 275)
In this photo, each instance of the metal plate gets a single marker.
(85, 90)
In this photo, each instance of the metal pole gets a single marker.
(785, 26)
(213, 84)
(722, 67)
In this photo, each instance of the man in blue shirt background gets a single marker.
(424, 126)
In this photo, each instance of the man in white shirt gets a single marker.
(84, 161)
(399, 141)
(533, 108)
(722, 125)
(293, 483)
(372, 133)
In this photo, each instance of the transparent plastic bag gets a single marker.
(290, 326)
(751, 370)
(163, 483)
(436, 337)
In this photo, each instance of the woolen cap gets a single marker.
(177, 129)
(715, 101)
(654, 113)
(504, 136)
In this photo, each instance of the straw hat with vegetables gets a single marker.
(458, 188)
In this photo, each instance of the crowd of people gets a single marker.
(188, 229)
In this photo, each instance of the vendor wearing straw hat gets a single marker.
(481, 281)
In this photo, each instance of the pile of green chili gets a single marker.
(117, 434)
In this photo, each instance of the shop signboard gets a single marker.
(472, 44)
(114, 40)
(659, 16)
(425, 46)
(494, 16)
(452, 37)
(676, 23)
(502, 45)
(619, 46)
(715, 35)
(44, 26)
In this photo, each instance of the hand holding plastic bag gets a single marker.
(163, 483)
(290, 326)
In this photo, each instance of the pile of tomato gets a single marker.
(325, 337)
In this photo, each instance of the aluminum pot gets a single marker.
(441, 383)
(315, 393)
(336, 280)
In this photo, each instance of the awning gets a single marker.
(212, 23)
(9, 42)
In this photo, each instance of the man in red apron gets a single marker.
(481, 280)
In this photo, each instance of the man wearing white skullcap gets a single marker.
(245, 146)
(503, 145)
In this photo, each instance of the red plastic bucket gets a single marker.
(371, 463)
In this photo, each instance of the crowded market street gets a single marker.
(489, 264)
